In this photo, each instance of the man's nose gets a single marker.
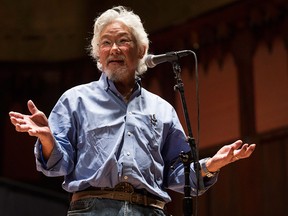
(114, 45)
(115, 48)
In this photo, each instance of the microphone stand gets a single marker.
(189, 157)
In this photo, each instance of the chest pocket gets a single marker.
(150, 130)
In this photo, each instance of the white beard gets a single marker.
(117, 74)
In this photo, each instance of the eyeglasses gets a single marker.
(122, 42)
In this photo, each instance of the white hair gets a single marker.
(132, 21)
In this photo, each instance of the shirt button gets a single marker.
(129, 133)
(130, 113)
(128, 153)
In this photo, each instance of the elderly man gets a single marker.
(112, 140)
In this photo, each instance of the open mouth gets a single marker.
(116, 61)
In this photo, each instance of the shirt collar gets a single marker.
(109, 85)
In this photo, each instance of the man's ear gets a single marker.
(141, 52)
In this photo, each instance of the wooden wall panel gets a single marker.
(219, 103)
(271, 86)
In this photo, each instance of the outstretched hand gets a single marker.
(230, 153)
(35, 124)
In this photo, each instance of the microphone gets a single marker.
(153, 60)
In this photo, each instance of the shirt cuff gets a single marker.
(55, 156)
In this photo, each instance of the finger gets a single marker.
(234, 150)
(22, 128)
(15, 121)
(16, 114)
(32, 108)
(237, 144)
(252, 147)
(250, 150)
(242, 150)
(245, 151)
(32, 132)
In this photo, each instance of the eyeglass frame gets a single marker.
(121, 42)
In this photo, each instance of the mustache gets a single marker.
(115, 58)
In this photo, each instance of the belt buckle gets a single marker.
(124, 187)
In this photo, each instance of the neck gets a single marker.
(126, 89)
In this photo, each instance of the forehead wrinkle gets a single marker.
(116, 28)
(118, 34)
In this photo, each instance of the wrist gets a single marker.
(211, 166)
(206, 168)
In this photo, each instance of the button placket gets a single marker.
(127, 149)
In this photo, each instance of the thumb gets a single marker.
(32, 108)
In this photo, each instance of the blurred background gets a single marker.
(241, 48)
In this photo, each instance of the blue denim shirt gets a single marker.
(101, 140)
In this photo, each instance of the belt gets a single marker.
(122, 192)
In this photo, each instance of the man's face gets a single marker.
(118, 52)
